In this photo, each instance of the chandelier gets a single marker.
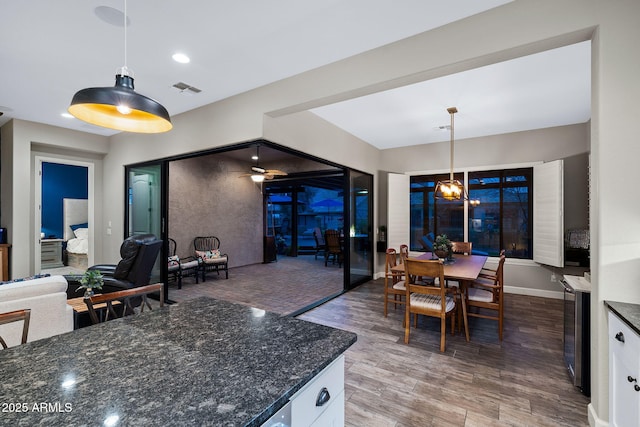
(452, 189)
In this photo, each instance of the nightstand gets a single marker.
(51, 253)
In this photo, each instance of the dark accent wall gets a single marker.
(208, 197)
(58, 182)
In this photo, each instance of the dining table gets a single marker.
(461, 268)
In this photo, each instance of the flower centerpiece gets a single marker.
(91, 279)
(442, 246)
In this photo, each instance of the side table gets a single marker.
(79, 307)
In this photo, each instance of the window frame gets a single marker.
(464, 174)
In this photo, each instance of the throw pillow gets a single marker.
(174, 261)
(74, 227)
(22, 279)
(208, 254)
(81, 233)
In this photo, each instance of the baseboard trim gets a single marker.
(534, 292)
(594, 420)
(516, 290)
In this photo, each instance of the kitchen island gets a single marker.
(200, 362)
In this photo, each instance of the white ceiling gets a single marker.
(49, 50)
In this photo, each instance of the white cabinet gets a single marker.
(624, 374)
(320, 403)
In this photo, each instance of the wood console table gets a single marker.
(4, 261)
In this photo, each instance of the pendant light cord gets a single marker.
(125, 35)
(451, 157)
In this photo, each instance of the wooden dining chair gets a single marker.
(122, 303)
(435, 301)
(491, 271)
(462, 248)
(16, 316)
(404, 253)
(486, 293)
(393, 282)
(459, 248)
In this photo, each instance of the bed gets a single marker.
(76, 232)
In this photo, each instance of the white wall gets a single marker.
(22, 140)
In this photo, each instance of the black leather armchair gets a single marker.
(139, 253)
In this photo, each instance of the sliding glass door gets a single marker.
(360, 250)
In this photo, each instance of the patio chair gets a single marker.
(321, 246)
(208, 250)
(178, 267)
(334, 247)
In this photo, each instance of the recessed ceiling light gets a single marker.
(67, 115)
(181, 58)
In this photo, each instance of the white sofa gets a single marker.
(47, 299)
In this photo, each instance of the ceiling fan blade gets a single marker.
(275, 172)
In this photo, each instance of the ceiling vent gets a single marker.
(186, 89)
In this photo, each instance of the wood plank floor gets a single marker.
(519, 382)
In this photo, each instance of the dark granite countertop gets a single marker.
(627, 312)
(200, 362)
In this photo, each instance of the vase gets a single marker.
(441, 253)
(88, 293)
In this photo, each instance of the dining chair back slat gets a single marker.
(123, 303)
(16, 316)
(404, 253)
(463, 248)
(394, 285)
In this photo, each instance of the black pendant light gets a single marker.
(120, 107)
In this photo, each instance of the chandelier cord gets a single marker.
(451, 157)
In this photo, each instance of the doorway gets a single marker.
(213, 193)
(58, 180)
(145, 208)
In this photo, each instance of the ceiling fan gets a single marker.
(258, 173)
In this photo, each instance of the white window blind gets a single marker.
(548, 214)
(397, 210)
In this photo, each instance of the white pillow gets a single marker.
(82, 233)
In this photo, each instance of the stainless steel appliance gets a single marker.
(577, 320)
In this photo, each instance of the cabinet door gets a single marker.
(333, 416)
(624, 400)
(305, 409)
(624, 370)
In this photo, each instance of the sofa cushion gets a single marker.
(31, 288)
(47, 299)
